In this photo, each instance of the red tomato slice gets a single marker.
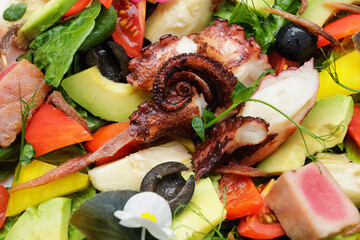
(130, 25)
(4, 199)
(242, 197)
(103, 135)
(78, 6)
(255, 226)
(280, 63)
(251, 227)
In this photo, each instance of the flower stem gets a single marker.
(143, 233)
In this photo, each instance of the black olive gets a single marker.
(166, 180)
(120, 54)
(295, 42)
(111, 61)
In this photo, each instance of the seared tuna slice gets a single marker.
(29, 79)
(310, 204)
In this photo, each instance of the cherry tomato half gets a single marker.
(130, 25)
(4, 199)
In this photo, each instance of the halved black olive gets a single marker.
(165, 179)
(111, 59)
(295, 42)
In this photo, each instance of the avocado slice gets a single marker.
(322, 119)
(102, 97)
(318, 13)
(44, 17)
(49, 220)
(190, 225)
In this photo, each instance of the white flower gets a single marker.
(149, 210)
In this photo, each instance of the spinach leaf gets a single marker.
(95, 217)
(54, 49)
(10, 153)
(263, 29)
(14, 12)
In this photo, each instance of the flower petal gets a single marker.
(152, 203)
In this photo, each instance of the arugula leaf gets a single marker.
(198, 125)
(54, 49)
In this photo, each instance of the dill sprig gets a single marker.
(27, 151)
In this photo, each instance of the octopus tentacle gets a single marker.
(245, 133)
(221, 82)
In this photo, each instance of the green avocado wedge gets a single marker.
(102, 97)
(44, 17)
(329, 118)
(49, 220)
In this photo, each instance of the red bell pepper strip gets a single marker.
(242, 198)
(4, 199)
(280, 63)
(78, 6)
(354, 125)
(103, 135)
(50, 129)
(340, 28)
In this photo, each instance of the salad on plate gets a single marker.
(170, 119)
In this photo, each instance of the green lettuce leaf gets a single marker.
(263, 29)
(53, 50)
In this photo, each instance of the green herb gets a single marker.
(26, 150)
(14, 12)
(239, 95)
(53, 50)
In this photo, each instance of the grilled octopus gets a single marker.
(185, 78)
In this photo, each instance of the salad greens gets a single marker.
(54, 49)
(263, 29)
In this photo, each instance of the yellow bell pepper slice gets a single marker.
(348, 71)
(20, 200)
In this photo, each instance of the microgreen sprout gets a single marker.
(27, 151)
(243, 94)
(331, 69)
